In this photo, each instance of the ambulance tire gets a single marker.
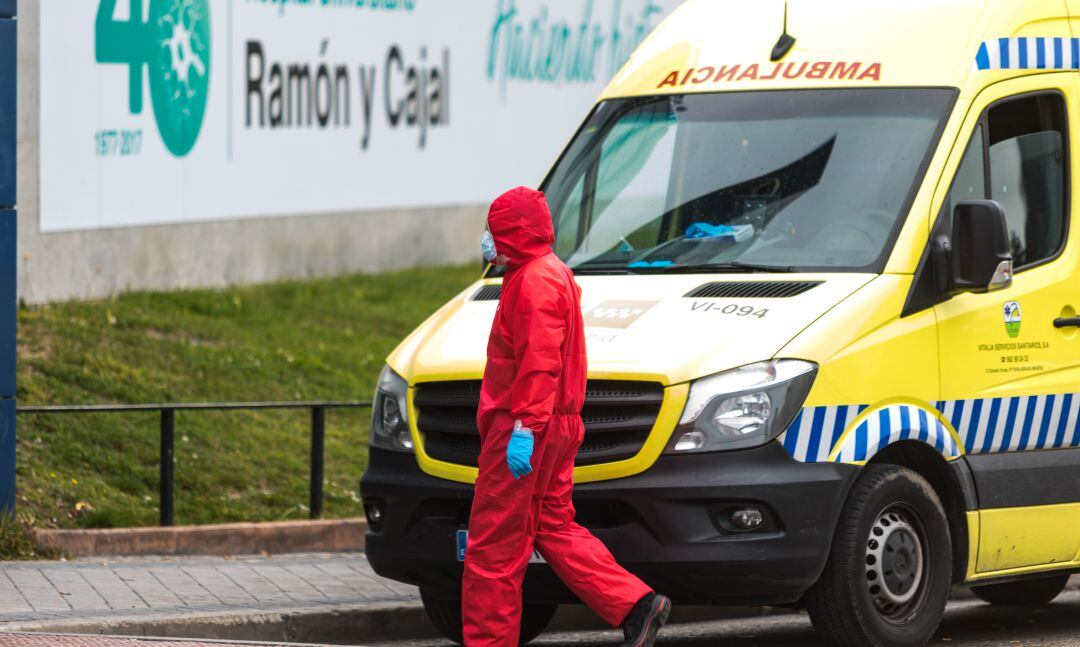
(1023, 593)
(445, 615)
(888, 575)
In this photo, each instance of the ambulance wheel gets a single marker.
(887, 578)
(445, 615)
(1023, 593)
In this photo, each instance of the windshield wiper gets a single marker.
(733, 267)
(620, 269)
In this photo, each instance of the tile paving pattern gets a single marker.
(95, 589)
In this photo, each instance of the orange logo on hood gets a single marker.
(617, 314)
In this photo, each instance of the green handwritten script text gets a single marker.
(543, 49)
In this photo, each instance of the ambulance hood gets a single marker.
(663, 328)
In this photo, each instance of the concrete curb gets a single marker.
(343, 625)
(321, 536)
(334, 626)
(126, 640)
(328, 625)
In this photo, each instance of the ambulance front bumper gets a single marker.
(670, 525)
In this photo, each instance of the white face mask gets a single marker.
(491, 255)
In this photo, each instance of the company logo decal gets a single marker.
(173, 44)
(1036, 53)
(617, 314)
(1011, 313)
(831, 70)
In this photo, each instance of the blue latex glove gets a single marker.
(519, 451)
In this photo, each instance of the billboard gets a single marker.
(178, 111)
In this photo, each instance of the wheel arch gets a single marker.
(952, 482)
(856, 433)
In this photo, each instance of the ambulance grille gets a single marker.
(488, 293)
(618, 417)
(752, 289)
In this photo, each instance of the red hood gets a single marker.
(520, 223)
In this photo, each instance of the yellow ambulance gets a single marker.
(831, 283)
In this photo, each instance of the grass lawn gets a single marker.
(310, 340)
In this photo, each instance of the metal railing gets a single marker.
(168, 432)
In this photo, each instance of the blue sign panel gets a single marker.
(7, 455)
(8, 303)
(8, 52)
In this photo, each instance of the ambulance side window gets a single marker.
(1027, 156)
(970, 180)
(566, 229)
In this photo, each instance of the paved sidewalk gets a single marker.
(36, 595)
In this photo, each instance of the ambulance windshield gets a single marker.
(795, 180)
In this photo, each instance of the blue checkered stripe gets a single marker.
(983, 426)
(815, 432)
(1029, 53)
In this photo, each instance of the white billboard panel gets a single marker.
(170, 111)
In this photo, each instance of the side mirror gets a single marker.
(980, 256)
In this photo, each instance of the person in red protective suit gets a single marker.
(531, 429)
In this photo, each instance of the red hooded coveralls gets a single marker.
(536, 373)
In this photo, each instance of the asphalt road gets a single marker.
(967, 623)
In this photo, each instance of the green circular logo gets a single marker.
(1013, 318)
(179, 70)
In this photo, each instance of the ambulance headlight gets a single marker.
(389, 416)
(744, 407)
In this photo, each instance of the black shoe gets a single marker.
(645, 619)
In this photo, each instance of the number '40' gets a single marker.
(124, 42)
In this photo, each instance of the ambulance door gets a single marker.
(1010, 359)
